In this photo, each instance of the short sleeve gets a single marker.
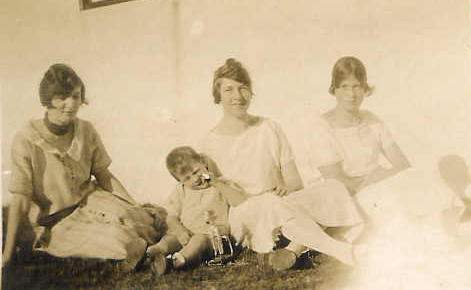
(385, 136)
(321, 147)
(381, 130)
(284, 150)
(174, 202)
(100, 160)
(21, 181)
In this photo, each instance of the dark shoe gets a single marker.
(126, 266)
(281, 242)
(282, 259)
(130, 265)
(158, 264)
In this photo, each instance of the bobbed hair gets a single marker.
(232, 69)
(59, 79)
(349, 66)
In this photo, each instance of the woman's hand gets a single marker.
(281, 191)
(291, 180)
(380, 173)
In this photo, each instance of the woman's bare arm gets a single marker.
(182, 233)
(110, 183)
(291, 177)
(335, 171)
(19, 209)
(398, 161)
(233, 195)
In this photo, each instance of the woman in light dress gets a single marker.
(59, 164)
(346, 143)
(253, 151)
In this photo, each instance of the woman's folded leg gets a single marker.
(330, 205)
(303, 231)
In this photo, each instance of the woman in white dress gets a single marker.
(254, 153)
(345, 144)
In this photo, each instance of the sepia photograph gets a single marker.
(236, 144)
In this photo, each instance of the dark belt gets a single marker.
(52, 219)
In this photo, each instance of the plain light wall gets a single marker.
(415, 53)
(148, 71)
(124, 53)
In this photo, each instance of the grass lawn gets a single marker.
(46, 272)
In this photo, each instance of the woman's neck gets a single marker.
(234, 125)
(56, 127)
(344, 118)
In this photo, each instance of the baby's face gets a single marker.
(196, 178)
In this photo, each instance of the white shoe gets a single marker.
(178, 260)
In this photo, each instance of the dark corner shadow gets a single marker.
(455, 173)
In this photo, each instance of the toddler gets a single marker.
(197, 194)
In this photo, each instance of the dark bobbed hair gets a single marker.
(345, 67)
(59, 79)
(232, 69)
(179, 160)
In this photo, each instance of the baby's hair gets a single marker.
(232, 69)
(349, 66)
(179, 160)
(60, 79)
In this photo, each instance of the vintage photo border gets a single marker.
(90, 4)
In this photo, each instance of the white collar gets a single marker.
(44, 138)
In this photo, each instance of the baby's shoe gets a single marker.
(159, 263)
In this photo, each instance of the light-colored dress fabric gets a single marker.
(190, 206)
(359, 147)
(409, 193)
(105, 225)
(253, 160)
